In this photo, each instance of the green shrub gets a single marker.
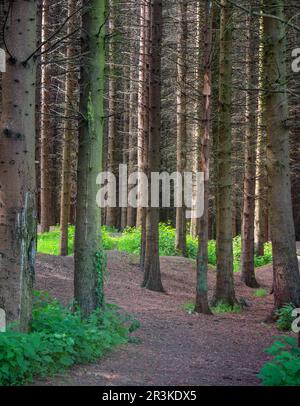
(189, 307)
(225, 308)
(218, 309)
(59, 339)
(130, 241)
(261, 292)
(48, 243)
(285, 318)
(284, 369)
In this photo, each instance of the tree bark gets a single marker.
(69, 133)
(247, 257)
(152, 276)
(88, 273)
(286, 282)
(46, 129)
(181, 121)
(111, 212)
(225, 285)
(17, 166)
(260, 235)
(202, 257)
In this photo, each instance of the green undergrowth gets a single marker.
(261, 292)
(285, 317)
(59, 338)
(130, 241)
(284, 367)
(220, 308)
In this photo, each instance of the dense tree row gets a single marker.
(189, 85)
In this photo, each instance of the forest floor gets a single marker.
(173, 347)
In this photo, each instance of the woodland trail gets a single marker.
(176, 348)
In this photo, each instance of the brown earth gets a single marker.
(176, 348)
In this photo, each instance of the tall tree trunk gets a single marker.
(181, 120)
(286, 282)
(202, 257)
(247, 258)
(88, 276)
(132, 153)
(261, 176)
(143, 109)
(69, 133)
(143, 116)
(125, 136)
(17, 166)
(225, 285)
(111, 212)
(46, 128)
(152, 276)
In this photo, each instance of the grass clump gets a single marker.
(284, 368)
(261, 292)
(59, 339)
(189, 307)
(220, 308)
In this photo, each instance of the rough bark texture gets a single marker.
(17, 166)
(88, 278)
(247, 257)
(181, 120)
(69, 133)
(111, 212)
(46, 128)
(132, 153)
(224, 286)
(202, 258)
(261, 178)
(285, 265)
(143, 115)
(152, 276)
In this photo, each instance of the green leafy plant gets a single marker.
(189, 307)
(130, 241)
(59, 338)
(285, 318)
(225, 308)
(261, 292)
(284, 368)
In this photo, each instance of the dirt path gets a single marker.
(176, 348)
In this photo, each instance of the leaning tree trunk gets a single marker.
(46, 128)
(88, 273)
(152, 276)
(286, 282)
(17, 166)
(202, 257)
(225, 285)
(181, 106)
(247, 257)
(69, 133)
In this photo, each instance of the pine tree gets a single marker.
(88, 278)
(17, 165)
